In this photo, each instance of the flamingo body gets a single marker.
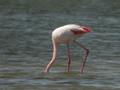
(67, 34)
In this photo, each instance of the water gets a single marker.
(25, 44)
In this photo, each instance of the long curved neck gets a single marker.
(55, 47)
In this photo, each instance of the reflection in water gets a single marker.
(25, 44)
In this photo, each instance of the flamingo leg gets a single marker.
(86, 55)
(69, 58)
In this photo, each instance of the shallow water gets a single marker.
(25, 45)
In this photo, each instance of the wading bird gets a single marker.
(68, 34)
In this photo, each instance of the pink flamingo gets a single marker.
(68, 34)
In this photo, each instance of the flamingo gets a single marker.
(68, 34)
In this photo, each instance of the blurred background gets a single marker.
(25, 44)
